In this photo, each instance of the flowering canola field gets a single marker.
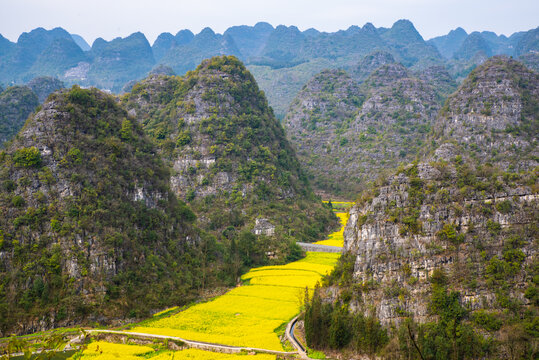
(245, 316)
(336, 239)
(249, 314)
(101, 350)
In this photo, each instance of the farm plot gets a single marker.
(336, 239)
(248, 315)
(101, 350)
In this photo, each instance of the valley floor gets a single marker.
(249, 314)
(252, 315)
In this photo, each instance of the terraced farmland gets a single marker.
(336, 238)
(248, 315)
(252, 315)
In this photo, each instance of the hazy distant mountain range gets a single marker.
(281, 58)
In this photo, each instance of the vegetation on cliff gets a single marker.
(43, 86)
(347, 134)
(89, 228)
(16, 104)
(231, 160)
(443, 252)
(494, 115)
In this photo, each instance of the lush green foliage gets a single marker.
(218, 121)
(333, 326)
(86, 228)
(16, 103)
(27, 157)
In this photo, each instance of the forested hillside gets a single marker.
(88, 222)
(282, 59)
(441, 256)
(231, 160)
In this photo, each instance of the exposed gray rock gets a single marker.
(263, 227)
(78, 73)
(493, 115)
(347, 134)
(390, 254)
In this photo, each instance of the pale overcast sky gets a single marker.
(112, 18)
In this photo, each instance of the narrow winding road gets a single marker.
(319, 248)
(300, 350)
(292, 338)
(201, 345)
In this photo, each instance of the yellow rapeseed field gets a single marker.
(165, 311)
(341, 206)
(246, 316)
(101, 350)
(195, 354)
(336, 239)
(249, 314)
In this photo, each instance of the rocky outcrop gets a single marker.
(78, 73)
(324, 108)
(468, 210)
(439, 78)
(88, 224)
(370, 63)
(368, 128)
(493, 115)
(427, 218)
(229, 154)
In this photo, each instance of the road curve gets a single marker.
(295, 342)
(201, 345)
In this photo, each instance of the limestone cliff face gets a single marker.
(88, 223)
(428, 217)
(370, 63)
(493, 114)
(212, 112)
(347, 134)
(470, 208)
(229, 154)
(397, 102)
(439, 78)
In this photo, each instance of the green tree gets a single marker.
(247, 248)
(340, 331)
(27, 157)
(317, 320)
(126, 131)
